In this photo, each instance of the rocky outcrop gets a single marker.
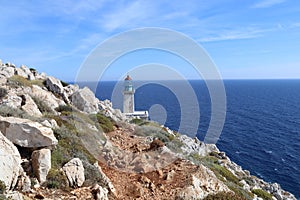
(85, 100)
(10, 162)
(26, 133)
(202, 183)
(41, 163)
(7, 70)
(107, 109)
(75, 172)
(193, 145)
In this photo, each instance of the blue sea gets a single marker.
(262, 127)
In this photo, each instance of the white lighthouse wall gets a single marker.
(128, 103)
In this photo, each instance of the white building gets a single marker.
(128, 101)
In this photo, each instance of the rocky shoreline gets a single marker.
(58, 141)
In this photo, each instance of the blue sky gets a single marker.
(245, 39)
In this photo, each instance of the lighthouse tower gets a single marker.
(128, 96)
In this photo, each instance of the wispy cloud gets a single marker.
(237, 34)
(267, 3)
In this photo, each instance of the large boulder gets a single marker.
(26, 133)
(10, 162)
(41, 163)
(202, 183)
(85, 100)
(50, 99)
(75, 172)
(29, 106)
(54, 85)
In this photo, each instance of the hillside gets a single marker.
(58, 141)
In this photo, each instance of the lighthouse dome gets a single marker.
(128, 78)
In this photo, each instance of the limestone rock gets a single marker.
(24, 183)
(70, 89)
(75, 172)
(49, 98)
(20, 72)
(14, 195)
(191, 145)
(27, 133)
(107, 109)
(7, 70)
(41, 163)
(54, 85)
(29, 106)
(202, 183)
(99, 192)
(10, 162)
(12, 100)
(85, 100)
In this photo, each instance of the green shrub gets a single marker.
(263, 194)
(224, 196)
(3, 93)
(136, 121)
(7, 111)
(56, 179)
(225, 173)
(2, 187)
(42, 106)
(105, 123)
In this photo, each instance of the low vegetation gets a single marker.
(105, 123)
(19, 81)
(262, 194)
(224, 196)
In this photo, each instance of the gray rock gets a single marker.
(99, 193)
(27, 133)
(54, 85)
(10, 162)
(7, 70)
(75, 172)
(12, 100)
(46, 96)
(85, 100)
(24, 183)
(41, 163)
(70, 89)
(14, 195)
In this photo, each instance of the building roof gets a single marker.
(128, 78)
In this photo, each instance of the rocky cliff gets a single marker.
(58, 141)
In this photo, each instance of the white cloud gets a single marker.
(235, 34)
(267, 3)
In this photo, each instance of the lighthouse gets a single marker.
(128, 101)
(128, 96)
